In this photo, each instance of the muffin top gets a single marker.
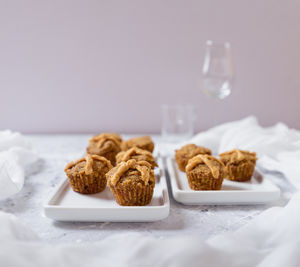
(236, 156)
(133, 170)
(138, 154)
(104, 137)
(143, 142)
(191, 150)
(88, 165)
(105, 142)
(215, 166)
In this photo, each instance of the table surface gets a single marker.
(57, 150)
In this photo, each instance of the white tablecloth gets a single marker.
(56, 150)
(178, 240)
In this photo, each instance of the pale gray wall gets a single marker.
(88, 66)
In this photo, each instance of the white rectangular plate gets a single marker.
(67, 205)
(258, 190)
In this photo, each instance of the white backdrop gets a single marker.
(88, 66)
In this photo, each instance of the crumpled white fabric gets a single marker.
(277, 147)
(15, 155)
(270, 239)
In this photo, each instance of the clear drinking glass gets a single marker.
(217, 70)
(177, 122)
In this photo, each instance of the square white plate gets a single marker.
(67, 205)
(258, 190)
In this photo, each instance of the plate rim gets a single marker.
(181, 195)
(164, 209)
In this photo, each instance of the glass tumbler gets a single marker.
(177, 122)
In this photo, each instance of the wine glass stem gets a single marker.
(214, 116)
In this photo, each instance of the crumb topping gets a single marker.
(143, 142)
(103, 138)
(89, 162)
(143, 167)
(191, 150)
(211, 162)
(135, 151)
(236, 156)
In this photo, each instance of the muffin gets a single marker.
(132, 183)
(239, 164)
(184, 154)
(107, 145)
(87, 175)
(205, 172)
(143, 142)
(137, 154)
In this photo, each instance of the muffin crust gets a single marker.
(143, 142)
(205, 172)
(132, 183)
(138, 154)
(239, 164)
(107, 145)
(184, 154)
(87, 175)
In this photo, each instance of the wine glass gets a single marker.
(217, 70)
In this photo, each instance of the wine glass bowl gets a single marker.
(217, 71)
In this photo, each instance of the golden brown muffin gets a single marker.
(205, 172)
(132, 183)
(143, 142)
(87, 175)
(184, 154)
(137, 154)
(107, 145)
(239, 164)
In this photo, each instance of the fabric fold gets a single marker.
(16, 155)
(270, 239)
